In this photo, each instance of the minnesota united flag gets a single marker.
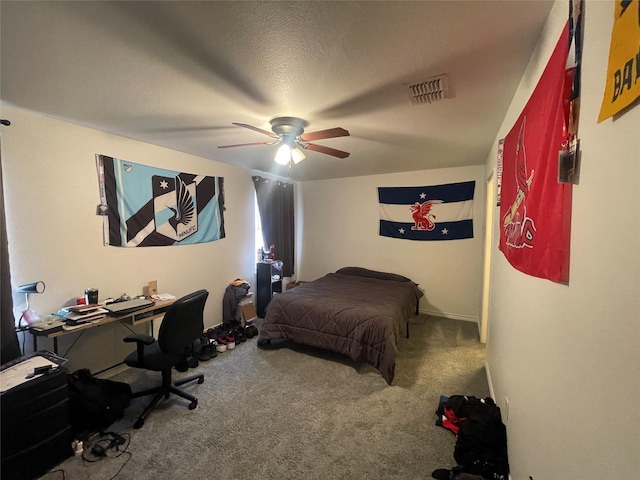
(437, 212)
(148, 206)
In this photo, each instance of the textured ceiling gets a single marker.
(177, 74)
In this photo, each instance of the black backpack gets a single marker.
(481, 447)
(95, 403)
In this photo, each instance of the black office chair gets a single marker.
(182, 325)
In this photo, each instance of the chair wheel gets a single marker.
(193, 404)
(139, 423)
(201, 380)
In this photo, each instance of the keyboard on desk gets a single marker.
(128, 306)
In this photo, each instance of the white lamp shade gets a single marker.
(296, 155)
(283, 156)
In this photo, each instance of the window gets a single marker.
(275, 207)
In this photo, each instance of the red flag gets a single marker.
(535, 210)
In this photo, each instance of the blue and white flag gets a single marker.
(436, 212)
(148, 206)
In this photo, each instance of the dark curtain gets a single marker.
(275, 206)
(10, 347)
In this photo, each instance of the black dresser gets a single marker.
(36, 435)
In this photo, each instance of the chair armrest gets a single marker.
(139, 338)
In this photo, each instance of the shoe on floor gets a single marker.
(192, 362)
(238, 333)
(442, 474)
(183, 366)
(220, 339)
(211, 350)
(250, 331)
(231, 341)
(204, 352)
(211, 333)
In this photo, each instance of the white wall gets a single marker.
(51, 193)
(567, 356)
(341, 229)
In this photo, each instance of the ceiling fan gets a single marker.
(289, 131)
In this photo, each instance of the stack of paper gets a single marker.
(78, 314)
(163, 296)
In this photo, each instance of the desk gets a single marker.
(138, 317)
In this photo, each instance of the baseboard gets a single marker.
(492, 393)
(452, 316)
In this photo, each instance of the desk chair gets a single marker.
(182, 325)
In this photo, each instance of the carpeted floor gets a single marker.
(299, 413)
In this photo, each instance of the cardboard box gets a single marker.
(248, 312)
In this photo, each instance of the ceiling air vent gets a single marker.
(429, 91)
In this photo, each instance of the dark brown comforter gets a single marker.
(358, 316)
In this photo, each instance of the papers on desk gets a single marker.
(163, 296)
(77, 315)
(83, 309)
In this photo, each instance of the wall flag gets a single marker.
(535, 209)
(145, 206)
(436, 212)
(623, 73)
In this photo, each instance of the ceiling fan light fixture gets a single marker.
(283, 155)
(296, 155)
(289, 133)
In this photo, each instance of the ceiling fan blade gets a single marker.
(323, 149)
(256, 129)
(246, 144)
(320, 134)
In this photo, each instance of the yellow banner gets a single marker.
(623, 73)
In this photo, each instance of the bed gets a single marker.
(357, 312)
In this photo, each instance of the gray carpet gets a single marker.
(299, 413)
